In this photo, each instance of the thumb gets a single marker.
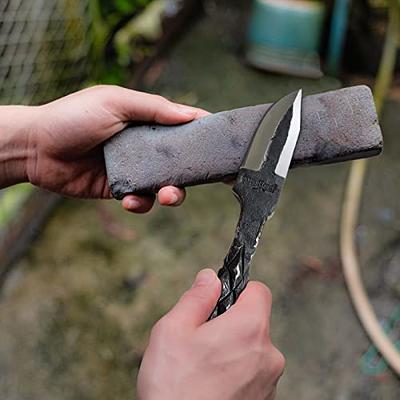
(131, 105)
(196, 305)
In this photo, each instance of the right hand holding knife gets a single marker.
(228, 358)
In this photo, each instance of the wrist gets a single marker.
(16, 149)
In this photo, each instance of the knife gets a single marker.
(258, 186)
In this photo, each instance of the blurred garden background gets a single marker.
(83, 282)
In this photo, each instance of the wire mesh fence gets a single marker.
(44, 54)
(44, 48)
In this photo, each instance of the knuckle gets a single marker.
(100, 88)
(277, 362)
(262, 291)
(256, 329)
(109, 90)
(263, 329)
(160, 99)
(162, 329)
(103, 92)
(260, 299)
(255, 322)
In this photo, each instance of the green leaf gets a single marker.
(125, 6)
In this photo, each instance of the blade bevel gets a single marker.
(286, 156)
(258, 148)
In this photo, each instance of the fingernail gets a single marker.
(173, 199)
(133, 204)
(204, 277)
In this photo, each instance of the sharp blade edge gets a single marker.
(286, 156)
(258, 148)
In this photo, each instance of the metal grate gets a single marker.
(44, 47)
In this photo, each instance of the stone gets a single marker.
(336, 126)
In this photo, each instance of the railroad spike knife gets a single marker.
(258, 186)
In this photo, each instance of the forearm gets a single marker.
(16, 123)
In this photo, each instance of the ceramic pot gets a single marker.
(284, 36)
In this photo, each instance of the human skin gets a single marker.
(228, 358)
(58, 147)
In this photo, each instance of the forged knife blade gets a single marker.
(258, 186)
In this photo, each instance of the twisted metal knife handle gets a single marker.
(257, 198)
(234, 276)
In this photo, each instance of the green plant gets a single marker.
(107, 19)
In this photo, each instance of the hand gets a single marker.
(63, 140)
(228, 358)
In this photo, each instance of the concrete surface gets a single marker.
(76, 313)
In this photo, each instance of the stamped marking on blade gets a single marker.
(259, 184)
(286, 156)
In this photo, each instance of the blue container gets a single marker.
(285, 35)
(337, 37)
